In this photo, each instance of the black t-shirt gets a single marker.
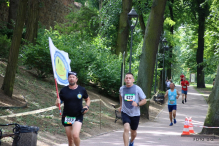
(72, 100)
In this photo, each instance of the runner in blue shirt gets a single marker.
(173, 95)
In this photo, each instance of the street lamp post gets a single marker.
(164, 41)
(132, 14)
(155, 84)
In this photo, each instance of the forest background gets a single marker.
(95, 33)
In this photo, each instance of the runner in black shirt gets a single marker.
(72, 118)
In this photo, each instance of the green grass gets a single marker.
(206, 90)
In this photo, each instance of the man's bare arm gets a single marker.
(87, 101)
(142, 102)
(166, 94)
(120, 99)
(177, 97)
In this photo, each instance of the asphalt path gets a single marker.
(159, 133)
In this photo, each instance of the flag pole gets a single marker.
(60, 112)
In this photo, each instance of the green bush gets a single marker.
(89, 58)
(5, 44)
(37, 57)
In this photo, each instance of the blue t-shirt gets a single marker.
(172, 97)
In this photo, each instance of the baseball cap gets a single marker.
(72, 73)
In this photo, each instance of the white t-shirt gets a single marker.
(168, 84)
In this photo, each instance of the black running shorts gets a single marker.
(133, 121)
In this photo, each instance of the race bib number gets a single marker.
(129, 97)
(172, 101)
(184, 86)
(69, 120)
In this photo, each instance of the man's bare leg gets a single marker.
(183, 98)
(174, 114)
(170, 116)
(133, 135)
(69, 133)
(76, 132)
(126, 134)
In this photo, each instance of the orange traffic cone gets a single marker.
(186, 128)
(191, 125)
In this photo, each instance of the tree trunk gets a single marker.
(212, 117)
(12, 15)
(32, 21)
(8, 83)
(200, 50)
(170, 47)
(142, 24)
(123, 31)
(150, 46)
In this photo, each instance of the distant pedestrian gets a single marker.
(184, 85)
(131, 98)
(173, 95)
(181, 77)
(168, 84)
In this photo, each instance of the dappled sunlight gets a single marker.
(157, 132)
(198, 94)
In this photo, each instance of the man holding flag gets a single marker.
(72, 117)
(72, 94)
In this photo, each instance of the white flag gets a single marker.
(60, 64)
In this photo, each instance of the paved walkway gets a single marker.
(159, 132)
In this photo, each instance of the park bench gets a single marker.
(117, 113)
(159, 98)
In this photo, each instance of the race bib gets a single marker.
(172, 101)
(129, 97)
(184, 86)
(69, 120)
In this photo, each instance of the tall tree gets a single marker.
(170, 45)
(8, 83)
(212, 117)
(123, 31)
(150, 46)
(142, 24)
(32, 21)
(12, 15)
(202, 13)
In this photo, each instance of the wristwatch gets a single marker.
(138, 104)
(87, 106)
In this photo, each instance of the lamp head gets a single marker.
(133, 14)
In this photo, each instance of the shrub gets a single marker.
(37, 57)
(90, 59)
(5, 44)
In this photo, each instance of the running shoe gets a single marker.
(131, 143)
(174, 121)
(183, 101)
(171, 124)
